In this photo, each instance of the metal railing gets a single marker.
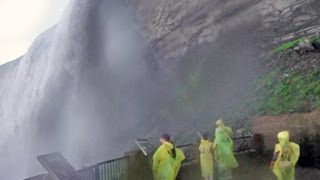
(242, 144)
(189, 152)
(39, 177)
(89, 173)
(116, 169)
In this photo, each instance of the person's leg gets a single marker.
(219, 170)
(224, 174)
(228, 174)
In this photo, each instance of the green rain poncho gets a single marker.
(163, 163)
(177, 162)
(286, 156)
(206, 158)
(224, 147)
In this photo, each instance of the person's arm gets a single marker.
(200, 148)
(212, 149)
(296, 153)
(215, 150)
(156, 161)
(214, 146)
(274, 158)
(182, 156)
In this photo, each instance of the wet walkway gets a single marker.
(252, 167)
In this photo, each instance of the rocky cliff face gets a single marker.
(114, 70)
(221, 46)
(175, 27)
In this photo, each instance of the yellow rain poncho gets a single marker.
(163, 163)
(177, 162)
(286, 156)
(224, 147)
(206, 158)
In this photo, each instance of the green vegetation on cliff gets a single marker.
(292, 44)
(291, 85)
(278, 93)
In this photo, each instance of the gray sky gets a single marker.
(22, 21)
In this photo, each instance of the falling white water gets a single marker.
(81, 89)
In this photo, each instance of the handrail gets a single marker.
(118, 169)
(111, 169)
(112, 160)
(38, 177)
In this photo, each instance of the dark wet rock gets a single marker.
(304, 47)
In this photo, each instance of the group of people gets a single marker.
(219, 155)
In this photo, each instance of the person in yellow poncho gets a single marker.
(206, 157)
(177, 163)
(285, 157)
(163, 159)
(224, 151)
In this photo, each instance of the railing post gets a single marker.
(258, 143)
(96, 172)
(140, 166)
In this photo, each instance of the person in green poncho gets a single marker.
(285, 157)
(206, 157)
(224, 151)
(164, 159)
